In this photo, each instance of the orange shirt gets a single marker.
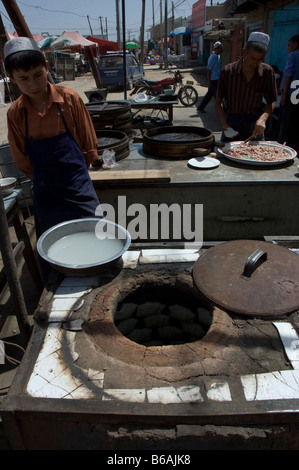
(50, 124)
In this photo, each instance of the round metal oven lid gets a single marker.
(249, 277)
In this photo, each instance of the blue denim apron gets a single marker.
(62, 188)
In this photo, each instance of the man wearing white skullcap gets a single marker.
(213, 72)
(241, 89)
(261, 40)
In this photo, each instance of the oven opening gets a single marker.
(162, 316)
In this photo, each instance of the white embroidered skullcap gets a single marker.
(20, 44)
(262, 38)
(217, 44)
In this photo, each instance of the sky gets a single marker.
(57, 16)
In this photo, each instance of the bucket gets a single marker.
(8, 169)
(7, 165)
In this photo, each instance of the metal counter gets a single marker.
(239, 201)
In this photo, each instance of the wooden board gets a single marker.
(130, 176)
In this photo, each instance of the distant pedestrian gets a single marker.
(213, 71)
(289, 108)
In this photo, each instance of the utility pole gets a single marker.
(123, 6)
(161, 27)
(166, 35)
(102, 32)
(89, 25)
(174, 37)
(142, 32)
(117, 22)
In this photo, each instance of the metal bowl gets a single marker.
(7, 186)
(83, 246)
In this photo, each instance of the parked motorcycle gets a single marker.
(187, 94)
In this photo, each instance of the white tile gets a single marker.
(72, 291)
(187, 394)
(96, 376)
(35, 384)
(168, 251)
(280, 385)
(66, 381)
(83, 393)
(219, 391)
(63, 303)
(290, 341)
(127, 395)
(51, 344)
(49, 367)
(170, 258)
(51, 391)
(130, 259)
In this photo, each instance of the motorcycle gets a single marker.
(187, 94)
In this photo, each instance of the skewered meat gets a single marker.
(258, 152)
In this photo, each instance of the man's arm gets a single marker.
(260, 124)
(221, 113)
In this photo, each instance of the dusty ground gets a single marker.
(181, 113)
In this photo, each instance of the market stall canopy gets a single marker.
(76, 39)
(53, 43)
(131, 45)
(36, 37)
(182, 30)
(103, 44)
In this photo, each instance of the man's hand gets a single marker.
(260, 127)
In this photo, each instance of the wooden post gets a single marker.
(3, 37)
(94, 67)
(17, 18)
(20, 24)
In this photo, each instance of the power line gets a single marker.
(55, 11)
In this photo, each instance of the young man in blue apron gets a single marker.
(51, 137)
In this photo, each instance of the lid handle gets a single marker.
(253, 262)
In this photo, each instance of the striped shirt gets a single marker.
(240, 96)
(50, 124)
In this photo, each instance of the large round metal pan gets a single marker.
(178, 141)
(101, 244)
(291, 153)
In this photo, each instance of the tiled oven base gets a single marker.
(79, 388)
